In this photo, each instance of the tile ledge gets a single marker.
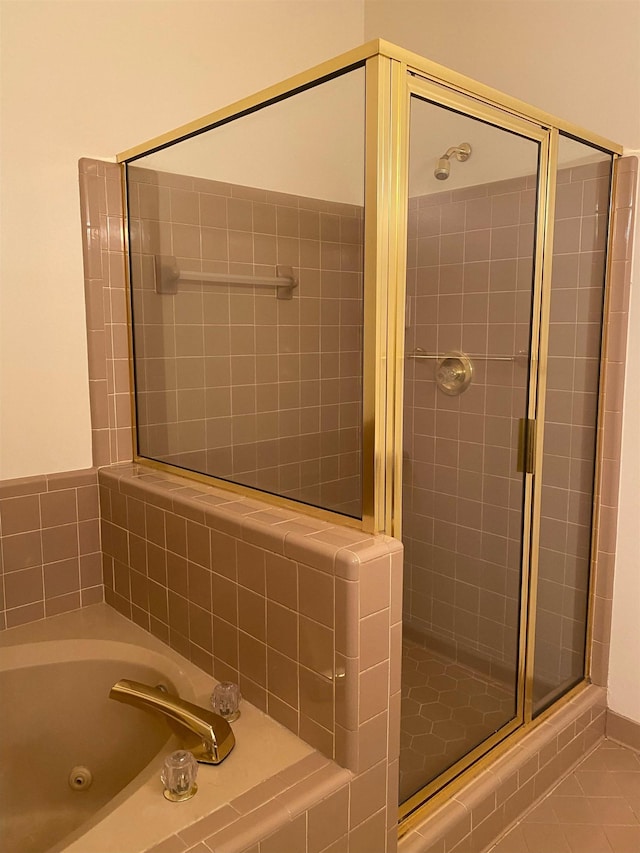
(322, 545)
(444, 819)
(299, 790)
(40, 483)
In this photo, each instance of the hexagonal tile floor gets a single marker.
(447, 709)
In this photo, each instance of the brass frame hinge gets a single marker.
(526, 446)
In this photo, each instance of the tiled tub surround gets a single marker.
(50, 558)
(304, 615)
(265, 755)
(315, 806)
(232, 381)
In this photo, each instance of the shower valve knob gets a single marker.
(454, 373)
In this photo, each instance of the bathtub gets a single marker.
(80, 772)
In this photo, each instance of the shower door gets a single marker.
(468, 392)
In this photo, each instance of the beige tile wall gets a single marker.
(196, 566)
(50, 559)
(493, 801)
(232, 381)
(571, 405)
(461, 523)
(469, 284)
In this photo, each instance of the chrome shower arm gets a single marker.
(462, 152)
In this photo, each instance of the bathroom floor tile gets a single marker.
(592, 810)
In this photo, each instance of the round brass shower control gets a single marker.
(454, 372)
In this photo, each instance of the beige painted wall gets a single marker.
(579, 59)
(90, 79)
(311, 144)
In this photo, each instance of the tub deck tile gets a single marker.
(172, 844)
(208, 825)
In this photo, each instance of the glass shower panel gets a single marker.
(470, 271)
(247, 279)
(571, 407)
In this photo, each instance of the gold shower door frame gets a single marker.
(391, 71)
(407, 82)
(393, 76)
(435, 93)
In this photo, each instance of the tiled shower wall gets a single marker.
(50, 556)
(106, 311)
(470, 280)
(624, 206)
(571, 405)
(473, 818)
(469, 289)
(233, 381)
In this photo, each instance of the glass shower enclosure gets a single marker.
(502, 343)
(376, 292)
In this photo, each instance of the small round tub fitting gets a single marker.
(80, 778)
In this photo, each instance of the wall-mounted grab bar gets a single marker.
(168, 275)
(419, 353)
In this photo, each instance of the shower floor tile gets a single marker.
(447, 709)
(595, 809)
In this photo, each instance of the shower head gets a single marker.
(442, 169)
(460, 152)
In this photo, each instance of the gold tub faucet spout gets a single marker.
(206, 734)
